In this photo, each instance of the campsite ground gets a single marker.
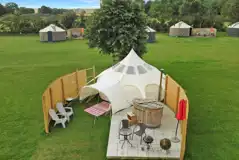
(206, 67)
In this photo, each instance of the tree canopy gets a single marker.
(117, 27)
(161, 14)
(24, 10)
(147, 6)
(2, 10)
(45, 10)
(68, 19)
(199, 13)
(231, 9)
(11, 7)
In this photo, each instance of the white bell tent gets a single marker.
(130, 78)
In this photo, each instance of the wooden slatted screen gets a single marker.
(66, 86)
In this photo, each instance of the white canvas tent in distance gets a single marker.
(52, 28)
(181, 24)
(52, 33)
(148, 29)
(130, 78)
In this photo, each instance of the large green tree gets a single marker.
(45, 10)
(147, 6)
(82, 17)
(58, 11)
(118, 27)
(230, 10)
(165, 9)
(24, 10)
(68, 19)
(11, 7)
(2, 10)
(193, 11)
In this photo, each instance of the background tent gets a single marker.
(180, 29)
(233, 30)
(75, 32)
(52, 33)
(131, 78)
(151, 34)
(204, 32)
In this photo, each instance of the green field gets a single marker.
(206, 67)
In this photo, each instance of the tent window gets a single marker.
(148, 66)
(130, 70)
(120, 68)
(141, 69)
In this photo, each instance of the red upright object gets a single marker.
(181, 114)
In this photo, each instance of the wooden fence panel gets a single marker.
(46, 103)
(62, 88)
(182, 94)
(183, 141)
(56, 93)
(183, 124)
(82, 79)
(90, 72)
(172, 94)
(70, 86)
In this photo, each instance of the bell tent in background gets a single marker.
(151, 34)
(75, 33)
(233, 30)
(129, 79)
(180, 29)
(52, 33)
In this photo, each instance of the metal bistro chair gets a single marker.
(141, 131)
(124, 125)
(125, 131)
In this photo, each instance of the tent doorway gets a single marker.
(190, 31)
(50, 38)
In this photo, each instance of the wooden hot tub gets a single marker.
(148, 111)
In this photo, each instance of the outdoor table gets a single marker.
(125, 132)
(69, 101)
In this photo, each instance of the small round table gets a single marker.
(125, 132)
(69, 101)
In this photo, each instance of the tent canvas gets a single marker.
(52, 33)
(233, 30)
(151, 34)
(148, 29)
(181, 24)
(235, 25)
(180, 29)
(52, 28)
(123, 82)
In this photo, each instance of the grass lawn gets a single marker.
(206, 67)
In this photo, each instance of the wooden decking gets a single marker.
(166, 130)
